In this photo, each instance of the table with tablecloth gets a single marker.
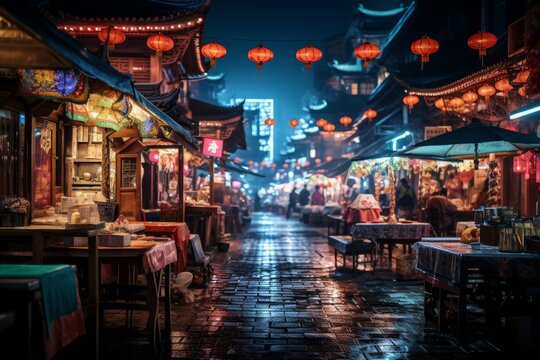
(63, 319)
(178, 232)
(391, 234)
(448, 265)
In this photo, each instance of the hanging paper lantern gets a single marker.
(522, 76)
(307, 164)
(251, 163)
(321, 122)
(345, 120)
(329, 127)
(486, 91)
(112, 36)
(523, 91)
(367, 52)
(262, 164)
(456, 103)
(154, 156)
(298, 165)
(160, 43)
(274, 166)
(370, 114)
(442, 104)
(269, 122)
(294, 123)
(308, 55)
(504, 86)
(329, 158)
(213, 51)
(410, 101)
(470, 97)
(424, 47)
(317, 161)
(482, 41)
(260, 55)
(285, 166)
(519, 164)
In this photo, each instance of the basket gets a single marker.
(406, 267)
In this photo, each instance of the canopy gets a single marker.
(392, 153)
(473, 140)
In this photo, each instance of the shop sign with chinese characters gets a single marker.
(212, 147)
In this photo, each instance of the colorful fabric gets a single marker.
(178, 232)
(413, 231)
(58, 287)
(446, 260)
(159, 256)
(361, 215)
(58, 84)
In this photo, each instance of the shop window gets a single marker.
(129, 173)
(354, 89)
(366, 88)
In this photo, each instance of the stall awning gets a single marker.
(26, 29)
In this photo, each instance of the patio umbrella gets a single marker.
(473, 140)
(392, 153)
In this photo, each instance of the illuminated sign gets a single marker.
(212, 147)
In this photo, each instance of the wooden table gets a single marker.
(447, 266)
(37, 233)
(391, 234)
(154, 256)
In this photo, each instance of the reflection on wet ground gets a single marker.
(276, 294)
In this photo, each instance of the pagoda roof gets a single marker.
(150, 11)
(377, 8)
(347, 68)
(203, 110)
(193, 66)
(349, 105)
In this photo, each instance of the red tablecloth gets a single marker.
(179, 232)
(159, 256)
(352, 215)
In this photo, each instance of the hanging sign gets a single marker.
(212, 147)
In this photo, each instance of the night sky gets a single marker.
(284, 26)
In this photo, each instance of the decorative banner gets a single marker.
(212, 147)
(57, 85)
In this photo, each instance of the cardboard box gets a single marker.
(114, 239)
(75, 241)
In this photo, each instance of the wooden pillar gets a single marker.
(68, 160)
(211, 171)
(180, 186)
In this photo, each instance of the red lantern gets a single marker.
(213, 51)
(160, 43)
(504, 86)
(470, 97)
(285, 166)
(111, 36)
(425, 47)
(262, 164)
(298, 165)
(317, 161)
(482, 41)
(519, 165)
(321, 122)
(329, 158)
(260, 55)
(294, 123)
(251, 163)
(345, 120)
(308, 55)
(367, 52)
(329, 127)
(273, 166)
(522, 76)
(307, 164)
(269, 122)
(154, 156)
(370, 114)
(410, 101)
(441, 104)
(456, 103)
(486, 91)
(523, 90)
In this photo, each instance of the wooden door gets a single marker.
(128, 180)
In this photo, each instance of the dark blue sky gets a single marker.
(277, 25)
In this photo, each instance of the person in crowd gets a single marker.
(453, 184)
(257, 201)
(405, 200)
(201, 182)
(303, 197)
(445, 209)
(293, 199)
(317, 198)
(354, 193)
(481, 198)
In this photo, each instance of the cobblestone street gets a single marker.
(275, 294)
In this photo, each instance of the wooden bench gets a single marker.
(344, 245)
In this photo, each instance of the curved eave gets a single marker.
(380, 13)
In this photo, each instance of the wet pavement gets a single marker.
(276, 294)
